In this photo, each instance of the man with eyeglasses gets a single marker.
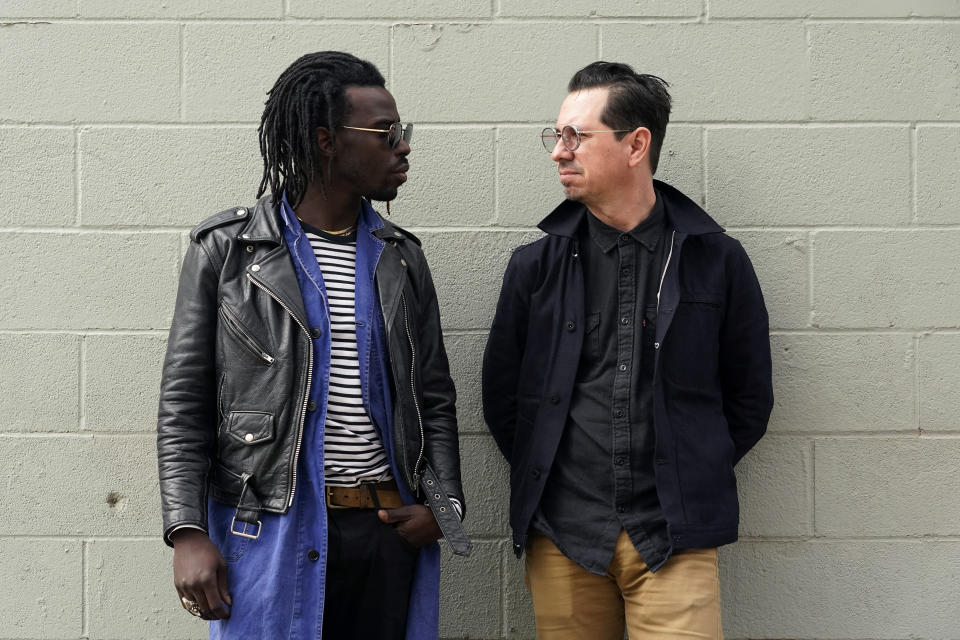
(307, 434)
(627, 370)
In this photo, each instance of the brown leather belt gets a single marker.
(370, 495)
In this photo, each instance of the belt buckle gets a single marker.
(328, 491)
(243, 532)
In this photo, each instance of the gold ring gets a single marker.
(191, 606)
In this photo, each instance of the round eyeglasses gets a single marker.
(397, 131)
(569, 136)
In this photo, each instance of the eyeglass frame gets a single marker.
(557, 136)
(406, 132)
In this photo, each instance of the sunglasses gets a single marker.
(398, 131)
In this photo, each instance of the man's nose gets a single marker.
(560, 151)
(402, 148)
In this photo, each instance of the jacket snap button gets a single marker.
(656, 345)
(241, 212)
(249, 248)
(571, 326)
(403, 262)
(312, 406)
(398, 234)
(555, 399)
(315, 332)
(535, 473)
(248, 437)
(313, 555)
(245, 236)
(255, 267)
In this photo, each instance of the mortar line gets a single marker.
(82, 384)
(705, 11)
(504, 622)
(394, 19)
(13, 123)
(914, 172)
(812, 486)
(285, 9)
(83, 332)
(391, 33)
(839, 331)
(599, 42)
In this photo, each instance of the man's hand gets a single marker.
(200, 573)
(414, 522)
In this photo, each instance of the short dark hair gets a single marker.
(635, 100)
(310, 93)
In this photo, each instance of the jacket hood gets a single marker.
(684, 215)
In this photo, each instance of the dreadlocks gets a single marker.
(310, 93)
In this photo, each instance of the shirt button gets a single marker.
(624, 239)
(623, 367)
(312, 406)
(619, 413)
(535, 473)
(618, 461)
(571, 325)
(316, 332)
(624, 320)
(555, 399)
(313, 555)
(621, 509)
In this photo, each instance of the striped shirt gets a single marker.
(353, 451)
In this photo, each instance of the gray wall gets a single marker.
(825, 134)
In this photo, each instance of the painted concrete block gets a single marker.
(459, 58)
(38, 9)
(43, 584)
(528, 186)
(37, 177)
(228, 68)
(519, 621)
(431, 9)
(465, 353)
(486, 485)
(939, 382)
(451, 179)
(832, 9)
(602, 8)
(189, 9)
(166, 177)
(470, 593)
(719, 71)
(887, 279)
(89, 280)
(783, 176)
(468, 271)
(40, 375)
(91, 72)
(130, 593)
(887, 487)
(851, 589)
(781, 261)
(938, 164)
(86, 486)
(773, 482)
(843, 382)
(122, 382)
(884, 71)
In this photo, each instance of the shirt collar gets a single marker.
(647, 233)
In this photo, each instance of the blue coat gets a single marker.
(712, 373)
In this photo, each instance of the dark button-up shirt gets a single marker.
(602, 480)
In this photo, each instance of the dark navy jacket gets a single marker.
(712, 376)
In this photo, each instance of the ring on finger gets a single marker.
(192, 606)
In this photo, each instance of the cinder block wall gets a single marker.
(825, 134)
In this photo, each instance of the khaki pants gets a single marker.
(681, 600)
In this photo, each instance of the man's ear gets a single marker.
(639, 145)
(325, 141)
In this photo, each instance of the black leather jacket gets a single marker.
(234, 392)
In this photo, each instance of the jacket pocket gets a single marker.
(250, 427)
(244, 337)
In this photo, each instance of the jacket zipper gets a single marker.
(306, 398)
(245, 338)
(413, 389)
(663, 276)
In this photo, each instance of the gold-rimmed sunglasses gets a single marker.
(398, 131)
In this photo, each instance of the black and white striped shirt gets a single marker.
(353, 451)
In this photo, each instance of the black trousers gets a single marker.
(369, 575)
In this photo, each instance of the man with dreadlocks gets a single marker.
(307, 436)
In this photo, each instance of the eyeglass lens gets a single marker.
(569, 135)
(399, 130)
